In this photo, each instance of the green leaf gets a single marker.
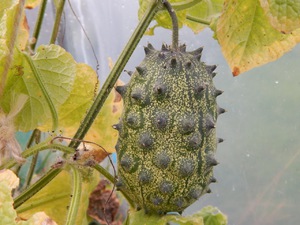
(56, 69)
(196, 14)
(9, 181)
(246, 37)
(207, 216)
(283, 15)
(54, 199)
(212, 216)
(203, 14)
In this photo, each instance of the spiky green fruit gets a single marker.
(167, 138)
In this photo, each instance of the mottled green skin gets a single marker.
(167, 137)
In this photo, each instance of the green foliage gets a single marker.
(250, 32)
(207, 216)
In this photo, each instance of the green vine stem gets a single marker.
(33, 189)
(37, 76)
(185, 4)
(59, 11)
(198, 20)
(37, 148)
(115, 72)
(11, 43)
(75, 199)
(38, 24)
(35, 137)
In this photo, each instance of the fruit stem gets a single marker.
(175, 28)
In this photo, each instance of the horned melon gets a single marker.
(167, 138)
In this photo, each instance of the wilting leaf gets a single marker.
(9, 181)
(100, 208)
(283, 15)
(247, 38)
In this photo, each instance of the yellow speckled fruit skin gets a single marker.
(167, 138)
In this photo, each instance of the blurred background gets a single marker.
(259, 171)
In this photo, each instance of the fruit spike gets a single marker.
(218, 92)
(121, 90)
(141, 70)
(220, 140)
(197, 53)
(128, 72)
(182, 48)
(220, 110)
(149, 49)
(210, 69)
(117, 126)
(164, 47)
(173, 62)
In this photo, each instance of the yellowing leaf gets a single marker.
(8, 181)
(57, 73)
(246, 37)
(72, 111)
(10, 35)
(55, 197)
(283, 15)
(30, 4)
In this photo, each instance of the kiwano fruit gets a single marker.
(167, 138)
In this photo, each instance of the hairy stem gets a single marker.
(115, 73)
(37, 148)
(75, 199)
(38, 24)
(33, 189)
(59, 11)
(174, 24)
(10, 43)
(37, 76)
